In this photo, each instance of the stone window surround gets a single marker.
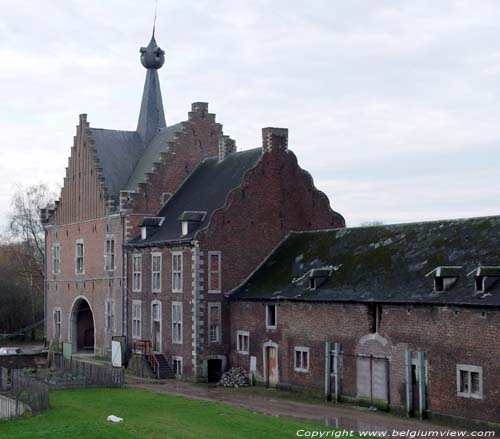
(77, 256)
(210, 254)
(137, 305)
(469, 368)
(177, 322)
(178, 272)
(136, 256)
(240, 349)
(300, 367)
(156, 289)
(219, 334)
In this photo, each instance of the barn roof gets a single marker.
(383, 264)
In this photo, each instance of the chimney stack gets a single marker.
(226, 147)
(274, 139)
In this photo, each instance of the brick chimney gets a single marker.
(274, 139)
(226, 147)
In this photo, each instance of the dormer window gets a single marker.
(485, 277)
(445, 277)
(312, 283)
(190, 221)
(149, 224)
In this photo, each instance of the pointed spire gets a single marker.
(151, 116)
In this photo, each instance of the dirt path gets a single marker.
(348, 418)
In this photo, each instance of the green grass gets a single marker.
(82, 414)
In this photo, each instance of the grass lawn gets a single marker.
(82, 414)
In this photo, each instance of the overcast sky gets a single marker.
(392, 106)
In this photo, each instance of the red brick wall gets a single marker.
(446, 338)
(276, 197)
(166, 297)
(83, 195)
(198, 140)
(96, 285)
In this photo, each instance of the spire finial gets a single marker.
(152, 56)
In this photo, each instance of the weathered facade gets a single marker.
(401, 317)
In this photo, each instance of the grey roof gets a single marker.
(382, 264)
(151, 221)
(206, 189)
(190, 215)
(159, 143)
(118, 152)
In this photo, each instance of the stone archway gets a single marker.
(82, 327)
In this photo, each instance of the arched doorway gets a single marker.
(82, 327)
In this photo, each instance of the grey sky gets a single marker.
(393, 106)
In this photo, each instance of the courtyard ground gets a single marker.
(287, 405)
(82, 413)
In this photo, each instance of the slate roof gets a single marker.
(205, 190)
(382, 264)
(159, 143)
(118, 152)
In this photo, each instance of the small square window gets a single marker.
(301, 359)
(243, 342)
(469, 381)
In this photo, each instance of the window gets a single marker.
(109, 315)
(214, 322)
(177, 322)
(137, 273)
(479, 283)
(56, 259)
(243, 342)
(109, 253)
(271, 316)
(177, 363)
(79, 254)
(301, 359)
(136, 318)
(57, 324)
(214, 281)
(156, 272)
(469, 381)
(177, 272)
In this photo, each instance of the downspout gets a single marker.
(45, 304)
(124, 279)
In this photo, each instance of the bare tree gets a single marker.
(25, 226)
(23, 247)
(372, 223)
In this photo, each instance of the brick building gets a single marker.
(187, 204)
(204, 257)
(402, 317)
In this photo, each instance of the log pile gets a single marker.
(234, 377)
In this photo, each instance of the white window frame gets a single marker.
(300, 367)
(109, 316)
(268, 326)
(56, 258)
(177, 272)
(177, 333)
(239, 348)
(218, 328)
(181, 361)
(217, 254)
(110, 254)
(136, 273)
(157, 288)
(469, 369)
(57, 322)
(136, 319)
(77, 257)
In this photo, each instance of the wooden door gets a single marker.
(272, 366)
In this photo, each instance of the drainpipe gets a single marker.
(124, 278)
(45, 304)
